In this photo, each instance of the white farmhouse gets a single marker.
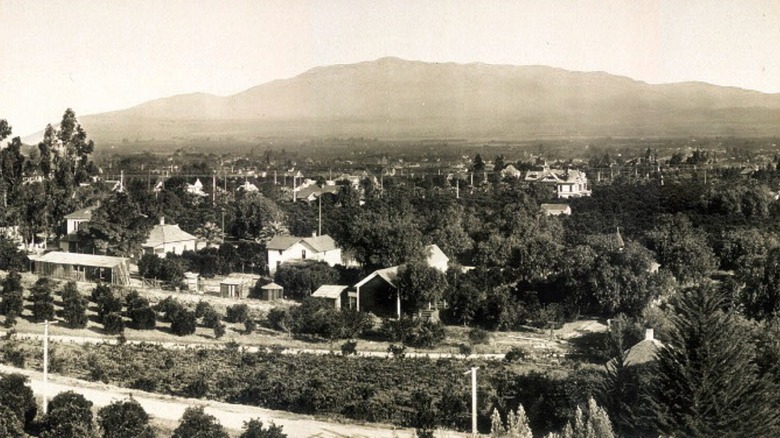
(165, 238)
(283, 249)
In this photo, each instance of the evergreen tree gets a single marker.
(43, 302)
(74, 306)
(12, 297)
(708, 383)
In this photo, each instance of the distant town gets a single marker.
(354, 281)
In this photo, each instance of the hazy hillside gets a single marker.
(393, 98)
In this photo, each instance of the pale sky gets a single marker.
(102, 55)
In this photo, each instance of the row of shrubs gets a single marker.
(69, 414)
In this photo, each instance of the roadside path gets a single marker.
(231, 416)
(81, 340)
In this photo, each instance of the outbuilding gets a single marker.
(82, 267)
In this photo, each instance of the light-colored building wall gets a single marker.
(174, 247)
(301, 251)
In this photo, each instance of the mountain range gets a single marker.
(397, 99)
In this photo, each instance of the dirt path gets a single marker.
(81, 340)
(231, 416)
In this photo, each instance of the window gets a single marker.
(303, 254)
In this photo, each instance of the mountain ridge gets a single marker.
(395, 98)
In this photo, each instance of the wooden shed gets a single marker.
(333, 293)
(231, 288)
(271, 291)
(82, 267)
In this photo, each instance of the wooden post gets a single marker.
(45, 362)
(473, 372)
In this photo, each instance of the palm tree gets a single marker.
(210, 232)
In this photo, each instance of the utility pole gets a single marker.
(45, 362)
(473, 372)
(319, 228)
(457, 188)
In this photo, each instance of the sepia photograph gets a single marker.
(389, 218)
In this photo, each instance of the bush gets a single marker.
(12, 295)
(279, 319)
(413, 332)
(10, 424)
(197, 424)
(254, 429)
(17, 396)
(107, 302)
(237, 313)
(74, 306)
(125, 419)
(211, 318)
(349, 348)
(141, 314)
(219, 330)
(69, 415)
(184, 323)
(42, 299)
(11, 258)
(249, 326)
(169, 307)
(99, 291)
(202, 308)
(478, 336)
(464, 349)
(12, 354)
(398, 351)
(515, 354)
(113, 324)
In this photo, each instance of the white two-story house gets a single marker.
(283, 249)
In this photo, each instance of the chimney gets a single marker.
(162, 220)
(313, 234)
(649, 334)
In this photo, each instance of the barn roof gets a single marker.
(329, 291)
(72, 258)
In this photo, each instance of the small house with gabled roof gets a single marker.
(165, 238)
(333, 293)
(378, 293)
(284, 249)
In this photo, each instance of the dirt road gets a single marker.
(231, 416)
(81, 340)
